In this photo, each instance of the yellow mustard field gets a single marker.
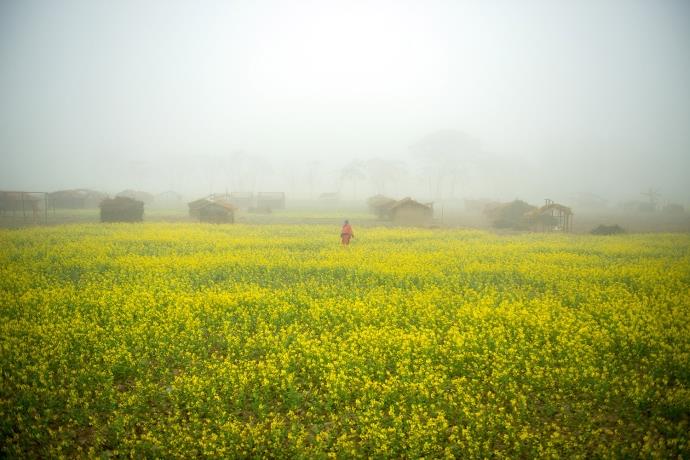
(190, 340)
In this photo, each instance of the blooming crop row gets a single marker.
(184, 340)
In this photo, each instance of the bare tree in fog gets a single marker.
(551, 88)
(653, 196)
(234, 170)
(257, 168)
(383, 171)
(242, 171)
(352, 173)
(446, 156)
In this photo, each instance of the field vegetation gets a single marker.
(188, 340)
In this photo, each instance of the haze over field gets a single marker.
(439, 99)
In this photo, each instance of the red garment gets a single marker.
(346, 234)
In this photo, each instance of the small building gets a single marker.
(196, 205)
(242, 199)
(552, 217)
(217, 212)
(122, 209)
(516, 215)
(270, 200)
(381, 206)
(410, 212)
(25, 203)
(224, 200)
(215, 209)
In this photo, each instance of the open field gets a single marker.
(313, 213)
(294, 215)
(188, 340)
(586, 220)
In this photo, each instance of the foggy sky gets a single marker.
(562, 97)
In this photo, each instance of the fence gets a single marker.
(23, 207)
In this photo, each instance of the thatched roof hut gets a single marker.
(518, 215)
(381, 206)
(196, 205)
(122, 209)
(217, 212)
(552, 217)
(410, 212)
(509, 215)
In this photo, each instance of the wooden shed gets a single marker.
(552, 217)
(196, 205)
(217, 212)
(517, 215)
(381, 206)
(410, 212)
(122, 209)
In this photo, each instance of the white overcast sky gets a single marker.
(593, 94)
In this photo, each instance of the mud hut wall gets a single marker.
(122, 209)
(412, 215)
(215, 213)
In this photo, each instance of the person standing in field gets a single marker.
(346, 233)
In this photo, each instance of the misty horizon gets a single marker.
(437, 100)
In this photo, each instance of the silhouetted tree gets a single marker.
(383, 171)
(352, 172)
(446, 155)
